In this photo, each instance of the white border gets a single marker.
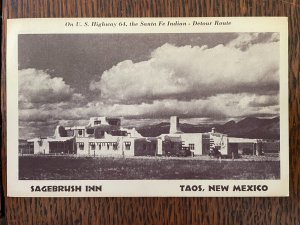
(127, 188)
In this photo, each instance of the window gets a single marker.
(118, 133)
(97, 122)
(113, 122)
(81, 145)
(127, 145)
(92, 146)
(115, 146)
(99, 146)
(107, 146)
(80, 132)
(192, 146)
(90, 131)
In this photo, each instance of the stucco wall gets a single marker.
(41, 147)
(115, 147)
(193, 139)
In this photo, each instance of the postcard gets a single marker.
(141, 107)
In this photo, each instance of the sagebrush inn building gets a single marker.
(104, 136)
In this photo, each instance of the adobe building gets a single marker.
(104, 136)
(197, 143)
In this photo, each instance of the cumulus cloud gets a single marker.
(217, 107)
(246, 40)
(233, 80)
(193, 72)
(42, 100)
(38, 87)
(214, 108)
(264, 101)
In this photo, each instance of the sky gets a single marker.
(145, 78)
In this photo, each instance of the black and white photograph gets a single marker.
(195, 106)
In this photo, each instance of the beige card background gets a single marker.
(21, 188)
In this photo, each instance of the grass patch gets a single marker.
(136, 168)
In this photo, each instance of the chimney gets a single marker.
(174, 125)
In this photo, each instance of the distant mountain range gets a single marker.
(250, 127)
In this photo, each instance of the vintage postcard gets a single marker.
(147, 107)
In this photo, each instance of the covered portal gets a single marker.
(245, 146)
